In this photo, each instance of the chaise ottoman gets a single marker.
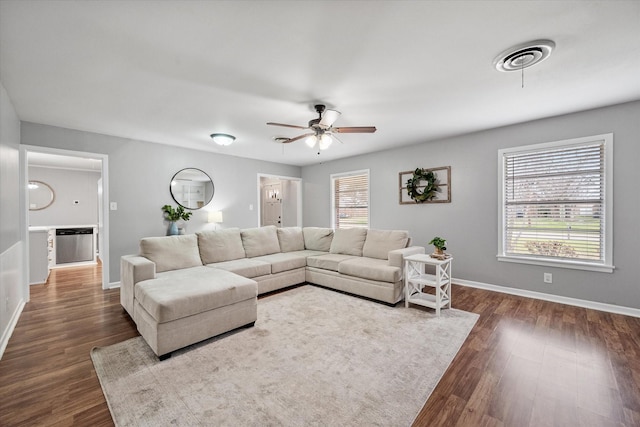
(175, 310)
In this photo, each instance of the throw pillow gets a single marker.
(171, 252)
(317, 239)
(380, 242)
(348, 241)
(291, 239)
(260, 241)
(220, 245)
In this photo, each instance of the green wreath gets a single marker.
(430, 190)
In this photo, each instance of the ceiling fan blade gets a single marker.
(355, 129)
(297, 138)
(329, 117)
(287, 126)
(334, 136)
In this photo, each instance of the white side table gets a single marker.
(415, 279)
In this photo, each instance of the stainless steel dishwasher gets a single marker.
(74, 245)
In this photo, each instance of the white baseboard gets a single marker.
(113, 285)
(610, 308)
(6, 334)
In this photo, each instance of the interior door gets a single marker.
(273, 212)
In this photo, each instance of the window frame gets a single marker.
(606, 264)
(332, 181)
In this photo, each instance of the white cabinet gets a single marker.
(38, 256)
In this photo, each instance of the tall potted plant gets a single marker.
(173, 215)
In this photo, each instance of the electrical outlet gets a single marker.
(250, 207)
(548, 278)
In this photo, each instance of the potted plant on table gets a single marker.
(173, 215)
(440, 246)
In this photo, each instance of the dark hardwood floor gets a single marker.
(525, 363)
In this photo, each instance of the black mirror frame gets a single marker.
(206, 202)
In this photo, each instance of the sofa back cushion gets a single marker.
(220, 245)
(380, 242)
(260, 241)
(317, 238)
(171, 252)
(348, 241)
(291, 239)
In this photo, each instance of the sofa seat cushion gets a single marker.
(284, 261)
(370, 268)
(328, 261)
(220, 245)
(171, 252)
(245, 267)
(173, 297)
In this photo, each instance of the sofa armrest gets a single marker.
(396, 257)
(133, 269)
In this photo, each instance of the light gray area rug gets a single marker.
(315, 357)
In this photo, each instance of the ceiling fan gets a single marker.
(322, 130)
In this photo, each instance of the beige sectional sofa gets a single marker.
(183, 289)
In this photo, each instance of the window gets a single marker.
(556, 203)
(350, 195)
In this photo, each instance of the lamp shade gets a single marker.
(215, 216)
(311, 141)
(325, 141)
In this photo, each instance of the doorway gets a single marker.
(66, 164)
(280, 201)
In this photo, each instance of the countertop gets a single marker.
(54, 227)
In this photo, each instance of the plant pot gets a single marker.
(438, 254)
(173, 229)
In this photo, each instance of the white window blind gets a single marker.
(351, 200)
(554, 202)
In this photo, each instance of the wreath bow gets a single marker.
(430, 189)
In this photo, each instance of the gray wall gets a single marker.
(9, 172)
(11, 248)
(469, 222)
(68, 186)
(139, 177)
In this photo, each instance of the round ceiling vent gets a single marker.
(524, 55)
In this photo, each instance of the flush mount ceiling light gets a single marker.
(525, 55)
(223, 138)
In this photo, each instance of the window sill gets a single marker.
(602, 268)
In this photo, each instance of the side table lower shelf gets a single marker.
(428, 300)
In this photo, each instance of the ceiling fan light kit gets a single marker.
(325, 141)
(311, 141)
(223, 139)
(322, 129)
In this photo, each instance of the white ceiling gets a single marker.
(175, 71)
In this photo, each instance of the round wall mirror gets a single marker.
(191, 188)
(41, 195)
